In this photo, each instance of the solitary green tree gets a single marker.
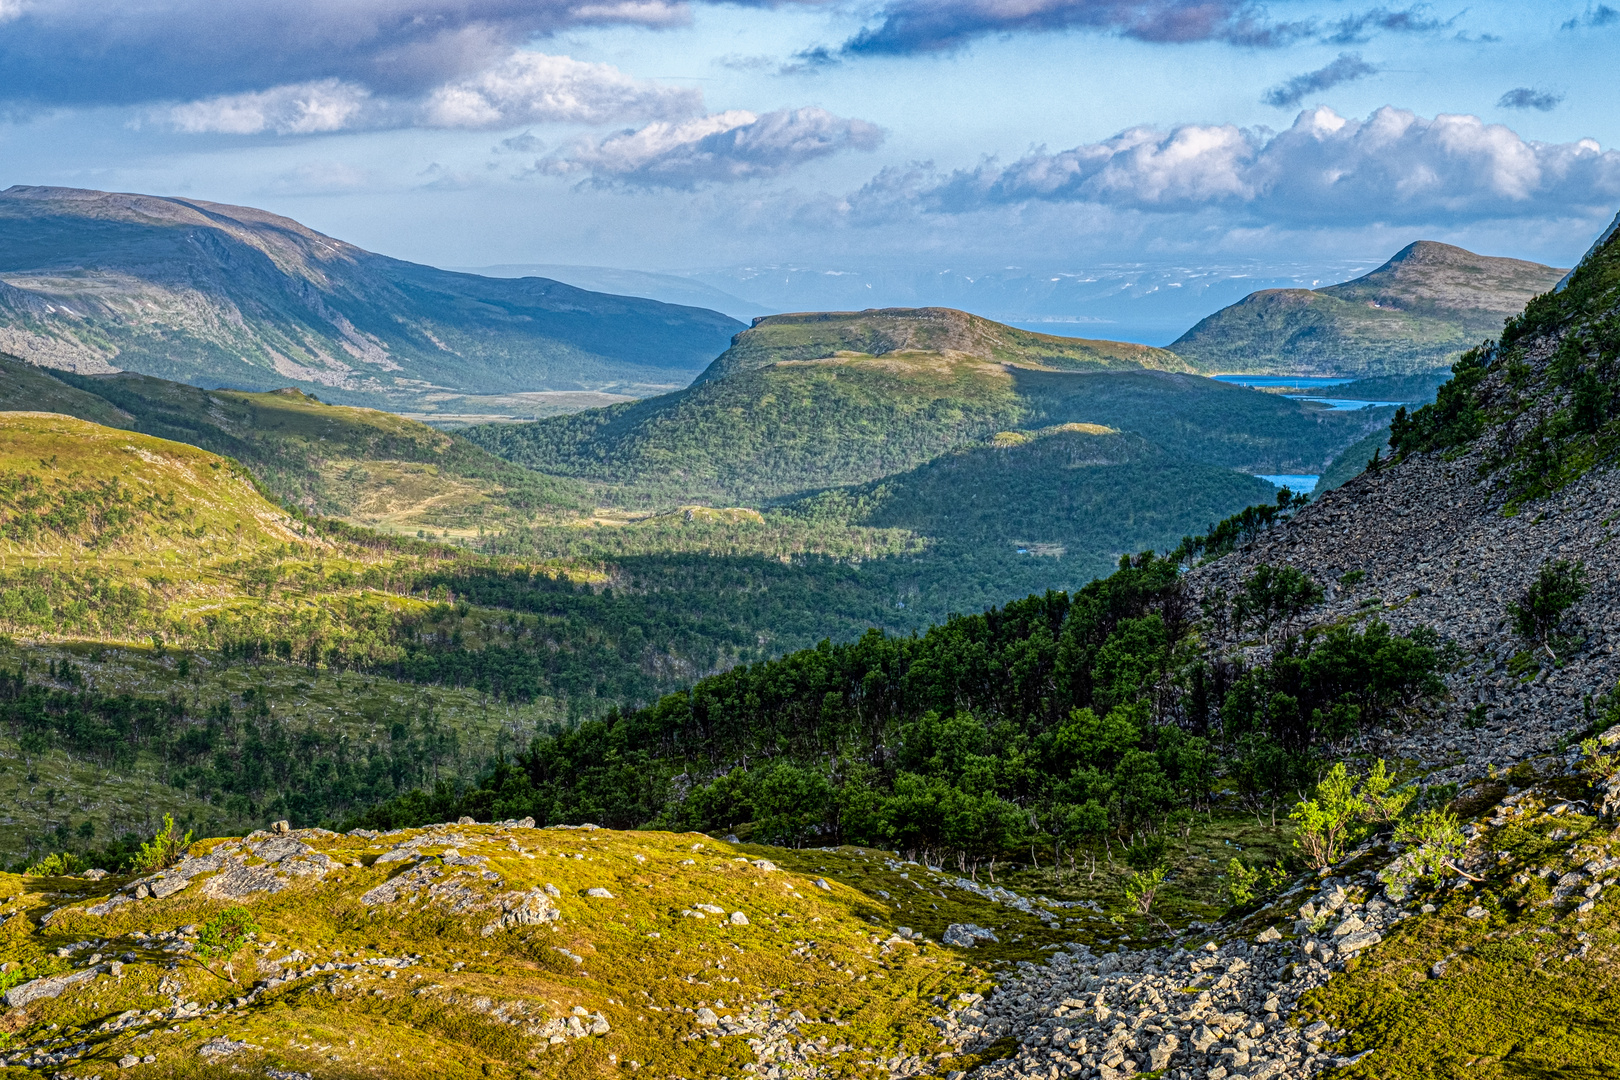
(1537, 611)
(1274, 595)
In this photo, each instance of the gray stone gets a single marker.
(48, 987)
(238, 880)
(530, 908)
(966, 935)
(1361, 939)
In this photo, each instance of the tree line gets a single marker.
(1097, 715)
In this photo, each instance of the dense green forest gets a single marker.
(230, 751)
(1055, 719)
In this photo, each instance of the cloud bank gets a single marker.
(1393, 167)
(524, 88)
(907, 27)
(923, 26)
(720, 149)
(81, 52)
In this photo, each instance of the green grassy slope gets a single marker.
(202, 292)
(72, 486)
(771, 419)
(26, 388)
(361, 465)
(1415, 313)
(344, 977)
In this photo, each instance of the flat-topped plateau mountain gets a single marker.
(231, 296)
(1415, 313)
(800, 402)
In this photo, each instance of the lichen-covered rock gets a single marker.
(48, 987)
(238, 880)
(966, 935)
(530, 908)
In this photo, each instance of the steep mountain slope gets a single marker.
(361, 465)
(1506, 482)
(1416, 312)
(793, 407)
(223, 295)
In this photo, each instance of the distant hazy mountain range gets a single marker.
(231, 296)
(1413, 313)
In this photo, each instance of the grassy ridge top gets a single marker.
(882, 331)
(1415, 313)
(71, 486)
(194, 291)
(26, 388)
(361, 465)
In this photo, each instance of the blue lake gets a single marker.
(1280, 380)
(1342, 404)
(1294, 482)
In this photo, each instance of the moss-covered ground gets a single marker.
(1512, 976)
(462, 1004)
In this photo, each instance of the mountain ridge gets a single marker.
(197, 291)
(1415, 313)
(359, 465)
(878, 332)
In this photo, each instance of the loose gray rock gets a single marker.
(966, 935)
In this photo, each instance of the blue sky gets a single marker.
(893, 135)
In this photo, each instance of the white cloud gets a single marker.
(534, 88)
(721, 148)
(524, 88)
(299, 109)
(1393, 166)
(146, 52)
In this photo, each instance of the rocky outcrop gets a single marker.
(1437, 550)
